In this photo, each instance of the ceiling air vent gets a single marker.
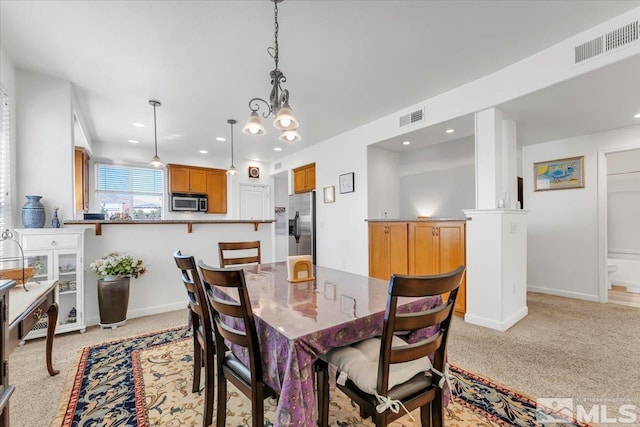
(610, 41)
(413, 117)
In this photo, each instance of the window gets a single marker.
(128, 192)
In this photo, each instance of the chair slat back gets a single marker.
(394, 323)
(227, 249)
(233, 320)
(195, 290)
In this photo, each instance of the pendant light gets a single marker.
(232, 169)
(155, 162)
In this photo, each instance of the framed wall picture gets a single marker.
(560, 174)
(346, 183)
(329, 194)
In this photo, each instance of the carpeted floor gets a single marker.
(563, 348)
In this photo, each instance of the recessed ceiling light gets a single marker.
(450, 130)
(134, 141)
(172, 136)
(277, 149)
(203, 151)
(138, 124)
(256, 160)
(221, 139)
(637, 116)
(406, 143)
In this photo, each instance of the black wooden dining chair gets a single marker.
(203, 340)
(233, 321)
(404, 373)
(246, 253)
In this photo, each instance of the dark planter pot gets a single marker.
(113, 301)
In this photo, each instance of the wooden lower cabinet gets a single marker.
(432, 247)
(387, 249)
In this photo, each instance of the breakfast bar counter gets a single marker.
(189, 222)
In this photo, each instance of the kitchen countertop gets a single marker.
(415, 219)
(99, 222)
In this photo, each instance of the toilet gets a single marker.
(611, 268)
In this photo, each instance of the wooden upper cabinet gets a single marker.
(216, 181)
(185, 179)
(304, 178)
(81, 179)
(387, 249)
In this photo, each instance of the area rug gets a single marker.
(146, 381)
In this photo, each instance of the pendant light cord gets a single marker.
(155, 129)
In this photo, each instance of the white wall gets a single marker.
(438, 181)
(161, 289)
(8, 85)
(563, 224)
(281, 198)
(383, 183)
(44, 152)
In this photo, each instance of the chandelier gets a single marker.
(278, 104)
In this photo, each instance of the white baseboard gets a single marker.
(497, 324)
(561, 293)
(147, 311)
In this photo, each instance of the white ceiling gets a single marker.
(347, 63)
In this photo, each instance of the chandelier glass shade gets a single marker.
(232, 169)
(278, 103)
(155, 161)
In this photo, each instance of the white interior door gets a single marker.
(254, 201)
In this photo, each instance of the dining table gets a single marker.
(298, 321)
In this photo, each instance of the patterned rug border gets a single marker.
(70, 393)
(508, 391)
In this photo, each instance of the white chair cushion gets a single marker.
(360, 362)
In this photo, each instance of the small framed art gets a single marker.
(329, 194)
(346, 183)
(559, 174)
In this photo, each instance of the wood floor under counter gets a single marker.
(418, 248)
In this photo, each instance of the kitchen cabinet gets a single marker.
(216, 191)
(187, 179)
(437, 247)
(387, 249)
(58, 254)
(304, 178)
(431, 247)
(81, 179)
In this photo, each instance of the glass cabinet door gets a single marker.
(42, 264)
(68, 268)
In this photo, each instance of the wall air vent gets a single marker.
(610, 41)
(621, 36)
(413, 117)
(277, 165)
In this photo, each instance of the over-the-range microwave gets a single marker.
(188, 202)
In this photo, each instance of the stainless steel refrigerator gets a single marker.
(302, 224)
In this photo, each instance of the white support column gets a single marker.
(496, 233)
(488, 158)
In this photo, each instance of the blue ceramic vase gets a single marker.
(33, 215)
(55, 221)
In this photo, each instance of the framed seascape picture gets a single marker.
(560, 174)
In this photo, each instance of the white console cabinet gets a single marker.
(58, 254)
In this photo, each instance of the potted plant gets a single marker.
(114, 274)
